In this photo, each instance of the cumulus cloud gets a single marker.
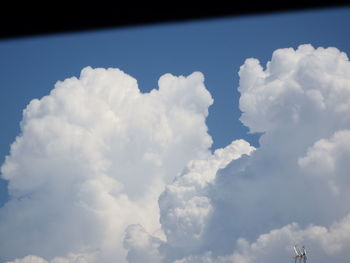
(71, 258)
(293, 188)
(324, 245)
(96, 155)
(92, 158)
(184, 224)
(328, 160)
(185, 205)
(141, 245)
(29, 259)
(297, 86)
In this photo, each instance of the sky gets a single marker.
(157, 150)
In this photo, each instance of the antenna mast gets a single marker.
(300, 254)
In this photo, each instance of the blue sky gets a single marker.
(216, 47)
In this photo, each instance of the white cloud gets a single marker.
(296, 87)
(293, 187)
(328, 160)
(71, 258)
(185, 207)
(29, 259)
(93, 157)
(142, 247)
(323, 245)
(184, 222)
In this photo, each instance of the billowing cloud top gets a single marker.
(297, 86)
(292, 190)
(93, 156)
(96, 155)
